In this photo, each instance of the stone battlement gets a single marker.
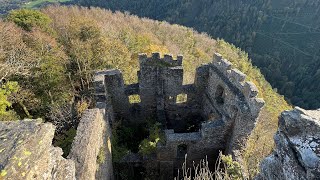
(155, 59)
(237, 79)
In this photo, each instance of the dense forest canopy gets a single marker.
(281, 36)
(48, 57)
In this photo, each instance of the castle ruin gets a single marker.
(218, 112)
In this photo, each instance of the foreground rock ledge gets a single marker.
(26, 152)
(297, 152)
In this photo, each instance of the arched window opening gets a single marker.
(219, 96)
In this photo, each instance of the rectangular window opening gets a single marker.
(134, 99)
(182, 98)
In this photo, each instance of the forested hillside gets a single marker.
(281, 36)
(47, 60)
(7, 5)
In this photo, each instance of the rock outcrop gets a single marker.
(297, 152)
(26, 152)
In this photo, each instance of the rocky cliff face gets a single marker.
(26, 152)
(297, 152)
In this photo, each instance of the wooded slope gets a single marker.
(52, 58)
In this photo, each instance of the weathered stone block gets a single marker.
(237, 75)
(26, 152)
(179, 60)
(156, 56)
(87, 144)
(223, 65)
(217, 57)
(168, 58)
(250, 90)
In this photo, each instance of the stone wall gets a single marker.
(26, 152)
(230, 107)
(228, 98)
(89, 143)
(159, 84)
(160, 81)
(91, 148)
(227, 105)
(297, 152)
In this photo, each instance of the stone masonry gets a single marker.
(91, 139)
(226, 106)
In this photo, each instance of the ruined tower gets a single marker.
(221, 107)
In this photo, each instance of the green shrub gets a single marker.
(28, 19)
(232, 168)
(118, 150)
(64, 140)
(149, 145)
(5, 91)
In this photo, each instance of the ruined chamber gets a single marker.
(215, 113)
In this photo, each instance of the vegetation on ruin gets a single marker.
(118, 150)
(101, 156)
(224, 169)
(149, 145)
(126, 137)
(54, 67)
(139, 137)
(64, 140)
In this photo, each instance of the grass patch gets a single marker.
(101, 156)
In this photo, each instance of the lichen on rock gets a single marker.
(23, 157)
(297, 152)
